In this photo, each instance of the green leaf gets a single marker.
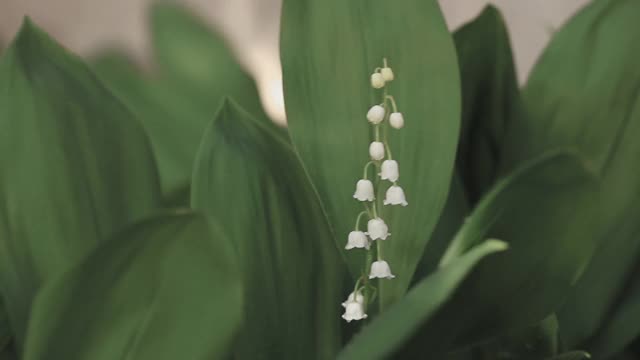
(620, 328)
(174, 124)
(420, 305)
(252, 181)
(76, 166)
(329, 50)
(451, 219)
(530, 210)
(571, 355)
(490, 98)
(198, 61)
(534, 210)
(585, 93)
(165, 288)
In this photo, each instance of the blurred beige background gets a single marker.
(252, 28)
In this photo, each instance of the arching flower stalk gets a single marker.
(380, 116)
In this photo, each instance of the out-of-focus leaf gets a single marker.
(329, 50)
(198, 61)
(394, 326)
(585, 93)
(75, 165)
(620, 328)
(165, 288)
(490, 98)
(571, 355)
(530, 210)
(251, 180)
(174, 124)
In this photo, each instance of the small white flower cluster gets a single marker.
(380, 154)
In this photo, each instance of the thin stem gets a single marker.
(366, 168)
(392, 100)
(386, 145)
(358, 219)
(384, 61)
(355, 288)
(377, 130)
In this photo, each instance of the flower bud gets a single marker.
(380, 269)
(377, 229)
(375, 114)
(364, 190)
(387, 74)
(376, 150)
(389, 170)
(396, 120)
(354, 311)
(395, 196)
(357, 239)
(377, 81)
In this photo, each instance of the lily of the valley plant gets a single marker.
(158, 213)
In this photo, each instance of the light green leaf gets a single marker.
(530, 210)
(197, 61)
(585, 93)
(329, 49)
(419, 307)
(490, 98)
(252, 181)
(165, 288)
(76, 166)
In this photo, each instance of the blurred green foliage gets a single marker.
(155, 212)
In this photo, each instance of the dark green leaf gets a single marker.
(585, 93)
(455, 211)
(531, 211)
(571, 355)
(165, 288)
(394, 326)
(329, 49)
(75, 166)
(252, 181)
(490, 98)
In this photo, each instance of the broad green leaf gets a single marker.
(329, 50)
(585, 93)
(571, 355)
(252, 181)
(165, 288)
(174, 124)
(420, 305)
(452, 217)
(198, 61)
(490, 98)
(531, 210)
(75, 166)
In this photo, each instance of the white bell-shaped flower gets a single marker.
(364, 190)
(389, 170)
(376, 150)
(395, 196)
(354, 311)
(377, 229)
(396, 120)
(377, 81)
(387, 73)
(380, 269)
(357, 239)
(357, 298)
(375, 115)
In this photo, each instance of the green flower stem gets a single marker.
(358, 219)
(366, 168)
